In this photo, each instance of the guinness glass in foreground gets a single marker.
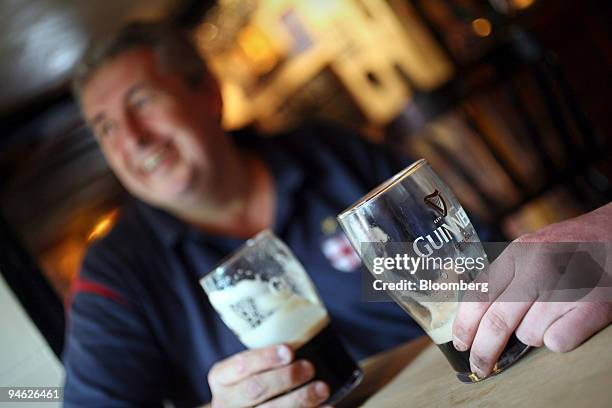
(414, 216)
(265, 296)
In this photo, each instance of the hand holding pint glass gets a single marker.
(414, 237)
(264, 295)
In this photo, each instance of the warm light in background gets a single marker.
(102, 226)
(258, 49)
(510, 6)
(482, 27)
(61, 262)
(207, 32)
(279, 58)
(522, 4)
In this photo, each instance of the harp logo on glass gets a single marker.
(436, 201)
(450, 229)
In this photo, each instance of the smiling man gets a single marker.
(141, 330)
(161, 135)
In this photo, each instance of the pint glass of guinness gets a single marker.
(414, 237)
(264, 295)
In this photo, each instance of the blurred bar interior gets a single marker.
(508, 99)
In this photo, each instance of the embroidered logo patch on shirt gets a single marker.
(340, 253)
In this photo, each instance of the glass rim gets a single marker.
(247, 245)
(382, 187)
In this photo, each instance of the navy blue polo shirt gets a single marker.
(141, 329)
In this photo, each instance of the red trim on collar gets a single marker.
(80, 285)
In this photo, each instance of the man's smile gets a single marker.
(155, 159)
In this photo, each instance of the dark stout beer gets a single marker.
(333, 364)
(297, 321)
(460, 360)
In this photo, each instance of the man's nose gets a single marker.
(135, 134)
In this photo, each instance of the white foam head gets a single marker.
(265, 313)
(443, 315)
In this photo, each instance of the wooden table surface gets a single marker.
(418, 375)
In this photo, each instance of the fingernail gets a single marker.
(459, 345)
(284, 354)
(479, 373)
(306, 369)
(322, 390)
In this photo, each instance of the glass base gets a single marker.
(509, 357)
(349, 386)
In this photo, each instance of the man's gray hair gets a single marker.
(173, 47)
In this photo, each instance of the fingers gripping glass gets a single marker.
(264, 295)
(415, 215)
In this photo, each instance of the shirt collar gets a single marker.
(288, 176)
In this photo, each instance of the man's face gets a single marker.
(160, 137)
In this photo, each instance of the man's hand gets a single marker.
(264, 376)
(526, 283)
